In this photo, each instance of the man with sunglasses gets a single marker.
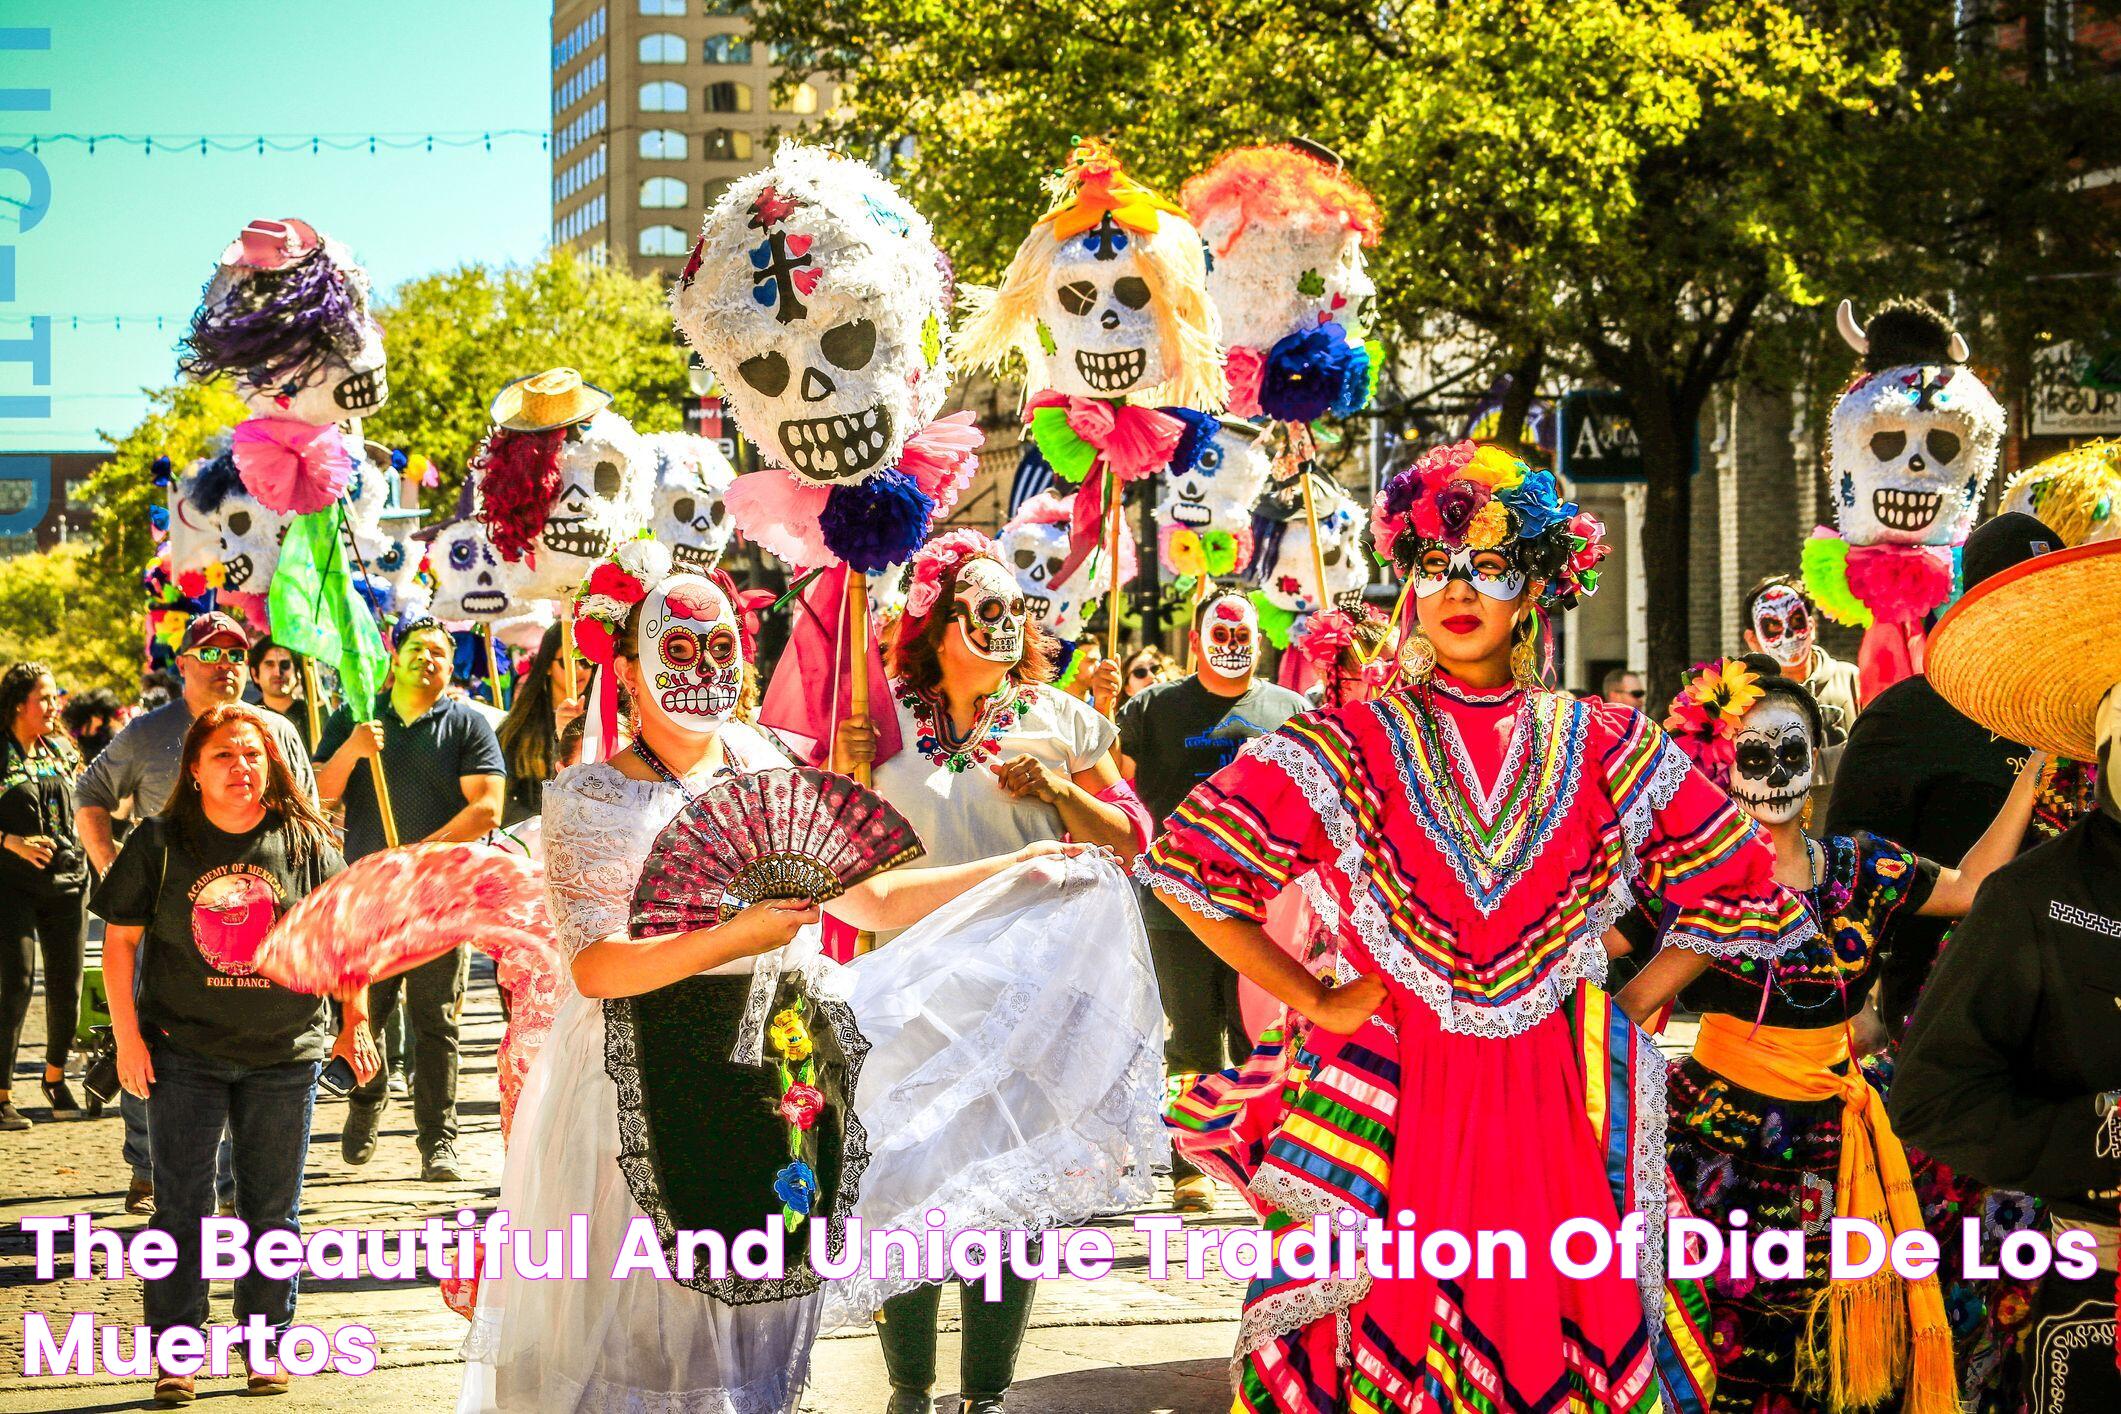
(1623, 686)
(448, 781)
(140, 767)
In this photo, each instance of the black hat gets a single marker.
(2000, 542)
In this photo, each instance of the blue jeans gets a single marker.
(266, 1110)
(140, 1158)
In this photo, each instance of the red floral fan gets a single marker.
(792, 832)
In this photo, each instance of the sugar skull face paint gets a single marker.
(989, 609)
(1782, 621)
(1229, 639)
(691, 656)
(1493, 573)
(1771, 771)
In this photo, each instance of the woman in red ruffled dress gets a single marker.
(1478, 836)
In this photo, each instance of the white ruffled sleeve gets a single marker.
(594, 847)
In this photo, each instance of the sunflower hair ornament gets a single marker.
(1704, 717)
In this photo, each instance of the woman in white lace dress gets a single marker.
(1004, 1067)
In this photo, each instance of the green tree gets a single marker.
(56, 608)
(1643, 194)
(455, 338)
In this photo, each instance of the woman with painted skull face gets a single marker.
(1475, 835)
(1000, 760)
(981, 969)
(1769, 1114)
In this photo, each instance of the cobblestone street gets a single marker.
(1120, 1344)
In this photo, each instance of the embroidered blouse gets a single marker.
(1479, 843)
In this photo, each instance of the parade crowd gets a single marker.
(963, 914)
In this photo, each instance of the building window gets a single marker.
(726, 49)
(727, 145)
(663, 145)
(584, 81)
(588, 32)
(662, 49)
(662, 194)
(662, 7)
(581, 129)
(661, 241)
(664, 97)
(715, 187)
(801, 99)
(724, 7)
(580, 221)
(728, 97)
(580, 175)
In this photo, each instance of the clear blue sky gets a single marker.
(134, 235)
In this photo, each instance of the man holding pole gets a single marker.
(445, 779)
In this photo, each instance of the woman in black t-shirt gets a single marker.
(43, 880)
(202, 1039)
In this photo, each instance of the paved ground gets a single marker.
(1120, 1344)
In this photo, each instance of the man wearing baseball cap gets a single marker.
(140, 766)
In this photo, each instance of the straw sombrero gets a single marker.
(2029, 651)
(555, 398)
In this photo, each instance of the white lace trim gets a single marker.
(1177, 889)
(1648, 1155)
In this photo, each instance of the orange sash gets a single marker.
(1878, 1339)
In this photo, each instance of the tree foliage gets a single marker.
(1641, 194)
(455, 338)
(56, 608)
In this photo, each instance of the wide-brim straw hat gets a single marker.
(555, 398)
(2029, 652)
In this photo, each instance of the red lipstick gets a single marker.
(1463, 623)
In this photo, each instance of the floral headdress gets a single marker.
(1324, 637)
(937, 561)
(1704, 716)
(601, 605)
(1478, 496)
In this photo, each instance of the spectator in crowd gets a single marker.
(1146, 667)
(530, 733)
(1171, 738)
(92, 719)
(1780, 620)
(276, 675)
(43, 883)
(139, 770)
(1919, 772)
(206, 1044)
(447, 782)
(1624, 686)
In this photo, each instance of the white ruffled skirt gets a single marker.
(1014, 1079)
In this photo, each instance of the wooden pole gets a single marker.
(1201, 582)
(567, 645)
(1318, 558)
(390, 821)
(493, 667)
(309, 701)
(857, 611)
(1113, 526)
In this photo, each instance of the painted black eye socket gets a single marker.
(682, 508)
(767, 372)
(850, 345)
(1053, 567)
(991, 611)
(1794, 754)
(1887, 446)
(607, 479)
(460, 554)
(1131, 291)
(1025, 558)
(1754, 758)
(391, 559)
(239, 522)
(715, 513)
(1943, 445)
(1078, 296)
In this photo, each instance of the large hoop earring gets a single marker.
(1417, 657)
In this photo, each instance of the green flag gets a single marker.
(316, 610)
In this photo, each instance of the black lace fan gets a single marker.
(792, 832)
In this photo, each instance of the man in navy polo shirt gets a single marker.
(447, 782)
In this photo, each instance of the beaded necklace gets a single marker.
(936, 737)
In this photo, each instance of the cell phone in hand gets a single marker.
(337, 1078)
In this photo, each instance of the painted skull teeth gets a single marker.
(1036, 606)
(483, 601)
(833, 447)
(238, 571)
(1905, 510)
(1191, 511)
(697, 558)
(576, 537)
(1111, 372)
(361, 392)
(709, 699)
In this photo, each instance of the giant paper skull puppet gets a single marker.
(1916, 438)
(471, 580)
(605, 485)
(1774, 759)
(286, 315)
(1204, 513)
(214, 521)
(1287, 227)
(691, 478)
(1107, 297)
(818, 298)
(1034, 547)
(1288, 577)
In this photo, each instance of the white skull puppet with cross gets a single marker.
(691, 478)
(1034, 548)
(817, 296)
(1204, 513)
(214, 521)
(1914, 441)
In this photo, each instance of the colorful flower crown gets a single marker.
(611, 590)
(935, 561)
(1704, 716)
(1477, 496)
